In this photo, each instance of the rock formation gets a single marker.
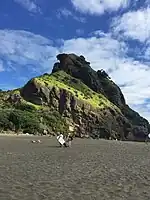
(88, 100)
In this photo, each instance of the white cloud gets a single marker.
(134, 76)
(64, 12)
(23, 48)
(29, 5)
(98, 7)
(134, 24)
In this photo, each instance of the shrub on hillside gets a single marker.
(24, 120)
(25, 107)
(5, 124)
(55, 121)
(30, 122)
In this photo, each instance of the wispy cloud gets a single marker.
(29, 5)
(98, 33)
(1, 66)
(7, 87)
(147, 53)
(99, 7)
(79, 32)
(144, 109)
(147, 2)
(134, 25)
(21, 49)
(64, 12)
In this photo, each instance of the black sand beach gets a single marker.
(89, 170)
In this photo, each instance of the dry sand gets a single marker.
(89, 170)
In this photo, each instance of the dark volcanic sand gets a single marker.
(91, 169)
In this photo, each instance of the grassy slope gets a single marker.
(62, 80)
(77, 88)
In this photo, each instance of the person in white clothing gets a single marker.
(60, 139)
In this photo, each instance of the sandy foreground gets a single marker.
(89, 170)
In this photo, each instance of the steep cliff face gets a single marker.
(81, 98)
(100, 82)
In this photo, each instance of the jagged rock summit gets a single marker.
(74, 95)
(98, 81)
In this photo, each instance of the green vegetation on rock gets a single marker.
(64, 81)
(31, 122)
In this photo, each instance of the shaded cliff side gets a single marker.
(74, 98)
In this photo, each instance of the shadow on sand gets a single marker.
(58, 147)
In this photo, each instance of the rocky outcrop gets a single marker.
(68, 94)
(14, 98)
(100, 82)
(75, 96)
(86, 120)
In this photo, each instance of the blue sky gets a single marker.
(111, 34)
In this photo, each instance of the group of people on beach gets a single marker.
(65, 141)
